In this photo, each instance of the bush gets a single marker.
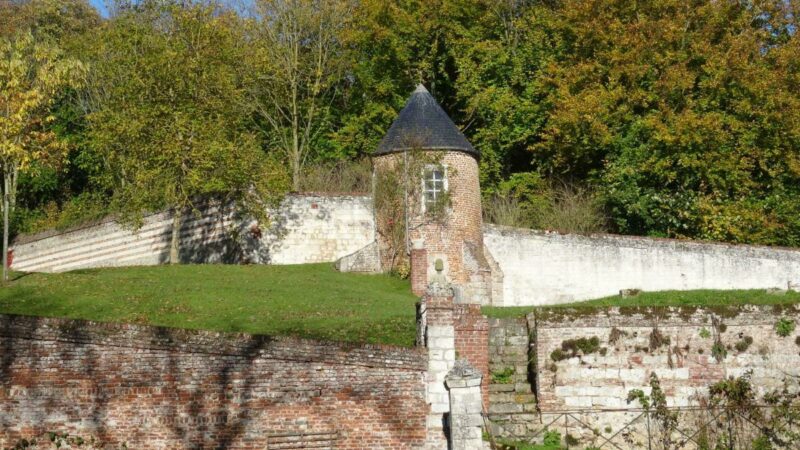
(506, 211)
(78, 210)
(526, 201)
(784, 327)
(338, 177)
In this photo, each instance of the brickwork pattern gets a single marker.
(166, 388)
(472, 340)
(463, 225)
(437, 306)
(419, 272)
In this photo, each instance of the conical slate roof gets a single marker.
(423, 124)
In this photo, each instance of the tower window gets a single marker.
(435, 187)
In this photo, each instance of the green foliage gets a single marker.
(525, 200)
(552, 438)
(78, 210)
(180, 137)
(784, 327)
(657, 339)
(339, 177)
(671, 118)
(655, 405)
(743, 344)
(310, 300)
(704, 333)
(504, 376)
(571, 347)
(718, 351)
(723, 301)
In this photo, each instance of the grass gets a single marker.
(311, 300)
(664, 298)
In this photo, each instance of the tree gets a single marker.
(30, 75)
(169, 117)
(296, 63)
(683, 114)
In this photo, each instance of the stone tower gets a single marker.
(439, 170)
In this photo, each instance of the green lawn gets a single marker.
(708, 298)
(312, 300)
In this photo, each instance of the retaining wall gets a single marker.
(540, 268)
(158, 388)
(304, 229)
(582, 388)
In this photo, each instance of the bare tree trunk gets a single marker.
(177, 216)
(6, 193)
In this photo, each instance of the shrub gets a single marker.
(507, 211)
(338, 177)
(78, 210)
(744, 344)
(573, 210)
(704, 333)
(718, 351)
(784, 327)
(657, 339)
(504, 376)
(527, 201)
(552, 438)
(570, 347)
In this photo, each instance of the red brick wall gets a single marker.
(165, 388)
(463, 225)
(419, 271)
(472, 342)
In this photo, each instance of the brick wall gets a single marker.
(472, 341)
(419, 273)
(167, 388)
(448, 240)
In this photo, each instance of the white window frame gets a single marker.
(445, 187)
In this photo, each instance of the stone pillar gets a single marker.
(466, 422)
(419, 268)
(437, 311)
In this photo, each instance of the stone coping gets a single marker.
(668, 316)
(28, 238)
(210, 342)
(620, 240)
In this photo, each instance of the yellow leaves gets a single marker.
(31, 73)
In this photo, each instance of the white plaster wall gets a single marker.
(304, 229)
(541, 268)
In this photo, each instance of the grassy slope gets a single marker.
(665, 298)
(310, 300)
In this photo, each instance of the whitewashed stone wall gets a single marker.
(540, 268)
(684, 361)
(304, 229)
(598, 383)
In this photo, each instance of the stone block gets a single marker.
(501, 388)
(505, 408)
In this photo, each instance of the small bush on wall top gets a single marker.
(784, 327)
(571, 347)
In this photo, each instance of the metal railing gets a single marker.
(713, 428)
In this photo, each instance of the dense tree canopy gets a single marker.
(670, 118)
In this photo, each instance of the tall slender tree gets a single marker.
(296, 65)
(30, 75)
